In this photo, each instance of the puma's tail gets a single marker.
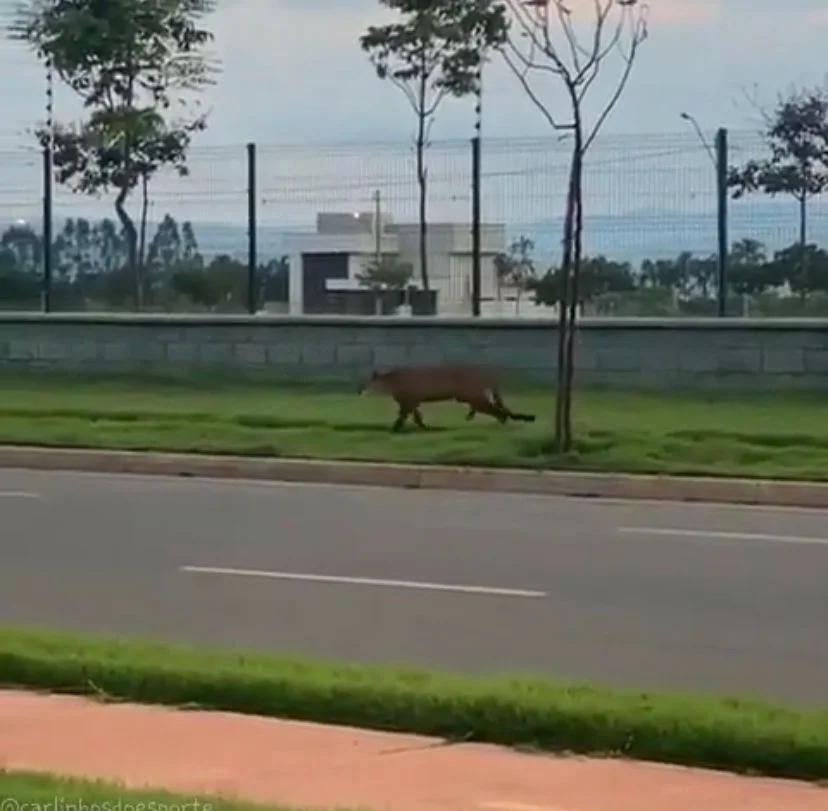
(512, 415)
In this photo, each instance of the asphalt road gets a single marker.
(721, 599)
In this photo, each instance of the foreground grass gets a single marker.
(733, 734)
(765, 436)
(27, 791)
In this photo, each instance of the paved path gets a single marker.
(308, 765)
(645, 595)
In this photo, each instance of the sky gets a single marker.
(293, 73)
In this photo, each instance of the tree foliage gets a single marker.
(599, 277)
(129, 61)
(111, 52)
(386, 273)
(89, 158)
(90, 271)
(796, 134)
(436, 49)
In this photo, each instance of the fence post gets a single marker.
(722, 207)
(252, 292)
(475, 144)
(46, 291)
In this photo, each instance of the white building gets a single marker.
(333, 256)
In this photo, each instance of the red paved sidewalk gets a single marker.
(298, 764)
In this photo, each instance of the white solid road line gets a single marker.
(731, 536)
(18, 494)
(366, 581)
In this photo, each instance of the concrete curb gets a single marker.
(549, 483)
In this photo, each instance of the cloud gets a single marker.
(685, 12)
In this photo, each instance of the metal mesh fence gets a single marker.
(646, 197)
(21, 215)
(20, 192)
(212, 196)
(643, 197)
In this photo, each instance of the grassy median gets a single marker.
(780, 435)
(733, 734)
(27, 791)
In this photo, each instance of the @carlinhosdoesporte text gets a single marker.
(65, 803)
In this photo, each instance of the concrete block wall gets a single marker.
(652, 353)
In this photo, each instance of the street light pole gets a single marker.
(718, 157)
(704, 142)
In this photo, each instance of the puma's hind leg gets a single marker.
(482, 405)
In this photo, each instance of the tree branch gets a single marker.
(533, 96)
(537, 32)
(565, 20)
(638, 35)
(542, 56)
(440, 94)
(408, 92)
(528, 61)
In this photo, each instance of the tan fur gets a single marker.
(412, 386)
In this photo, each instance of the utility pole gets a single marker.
(377, 226)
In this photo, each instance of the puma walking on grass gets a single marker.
(412, 386)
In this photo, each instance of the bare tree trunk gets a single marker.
(803, 242)
(577, 184)
(120, 209)
(563, 314)
(132, 243)
(422, 182)
(142, 248)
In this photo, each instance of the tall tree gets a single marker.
(796, 134)
(165, 249)
(435, 50)
(543, 40)
(129, 61)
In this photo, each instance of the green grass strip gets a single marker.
(733, 734)
(28, 791)
(780, 434)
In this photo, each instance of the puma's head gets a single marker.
(373, 384)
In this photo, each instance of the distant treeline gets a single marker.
(89, 261)
(791, 281)
(90, 270)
